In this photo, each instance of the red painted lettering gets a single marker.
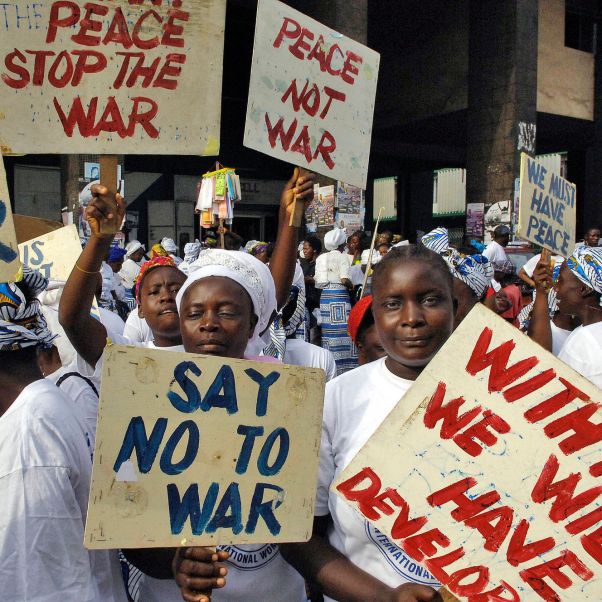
(563, 492)
(528, 386)
(110, 120)
(584, 522)
(55, 20)
(277, 131)
(171, 31)
(366, 496)
(56, 80)
(534, 576)
(481, 574)
(519, 553)
(118, 32)
(96, 64)
(452, 423)
(493, 525)
(77, 116)
(332, 95)
(302, 144)
(480, 431)
(290, 29)
(586, 433)
(495, 595)
(169, 70)
(350, 68)
(309, 99)
(556, 402)
(326, 146)
(465, 506)
(301, 45)
(423, 544)
(500, 375)
(143, 117)
(592, 544)
(435, 565)
(21, 72)
(89, 24)
(150, 42)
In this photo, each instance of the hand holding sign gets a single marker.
(197, 571)
(105, 212)
(298, 190)
(542, 275)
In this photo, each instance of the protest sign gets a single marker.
(311, 95)
(547, 208)
(200, 450)
(9, 254)
(111, 77)
(487, 472)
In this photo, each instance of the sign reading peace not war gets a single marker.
(200, 450)
(125, 76)
(488, 472)
(547, 207)
(311, 95)
(9, 255)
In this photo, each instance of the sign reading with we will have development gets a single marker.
(547, 207)
(489, 471)
(200, 450)
(311, 95)
(125, 76)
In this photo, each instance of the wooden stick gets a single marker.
(222, 243)
(108, 178)
(446, 596)
(298, 208)
(369, 266)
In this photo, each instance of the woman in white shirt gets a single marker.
(413, 309)
(332, 276)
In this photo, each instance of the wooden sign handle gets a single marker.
(446, 596)
(108, 178)
(298, 207)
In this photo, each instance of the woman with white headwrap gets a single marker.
(227, 301)
(332, 276)
(191, 254)
(170, 246)
(579, 290)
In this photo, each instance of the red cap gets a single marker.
(356, 316)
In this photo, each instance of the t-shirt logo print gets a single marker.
(399, 560)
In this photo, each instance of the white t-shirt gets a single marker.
(582, 351)
(559, 337)
(301, 353)
(44, 482)
(129, 272)
(331, 268)
(355, 405)
(137, 329)
(495, 252)
(111, 321)
(530, 265)
(82, 394)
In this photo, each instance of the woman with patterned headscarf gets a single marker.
(45, 469)
(332, 276)
(579, 291)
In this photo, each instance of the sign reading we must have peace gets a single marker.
(311, 95)
(488, 472)
(125, 76)
(201, 450)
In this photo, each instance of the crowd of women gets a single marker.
(254, 303)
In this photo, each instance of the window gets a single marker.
(580, 25)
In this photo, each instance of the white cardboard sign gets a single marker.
(116, 77)
(547, 207)
(311, 95)
(9, 253)
(488, 471)
(200, 450)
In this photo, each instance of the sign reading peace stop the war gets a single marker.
(489, 471)
(547, 207)
(9, 255)
(125, 76)
(311, 95)
(200, 450)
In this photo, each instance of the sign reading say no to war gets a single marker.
(311, 96)
(547, 207)
(126, 76)
(489, 471)
(199, 450)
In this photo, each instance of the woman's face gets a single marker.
(216, 318)
(262, 256)
(592, 238)
(414, 312)
(569, 291)
(308, 251)
(370, 348)
(353, 244)
(158, 302)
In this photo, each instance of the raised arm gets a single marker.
(284, 256)
(539, 325)
(87, 335)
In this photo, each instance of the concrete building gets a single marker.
(466, 84)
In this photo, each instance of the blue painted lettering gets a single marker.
(250, 432)
(189, 505)
(146, 447)
(6, 253)
(192, 448)
(262, 462)
(536, 173)
(264, 382)
(224, 381)
(264, 509)
(222, 520)
(190, 389)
